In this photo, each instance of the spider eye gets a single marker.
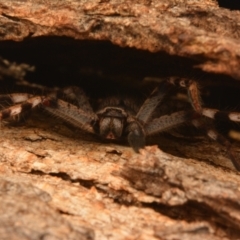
(111, 127)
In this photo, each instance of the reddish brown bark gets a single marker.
(56, 184)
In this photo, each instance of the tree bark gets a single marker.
(60, 184)
(200, 31)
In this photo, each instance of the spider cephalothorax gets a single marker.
(117, 117)
(111, 119)
(111, 122)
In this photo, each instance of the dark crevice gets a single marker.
(65, 213)
(64, 176)
(15, 19)
(232, 5)
(65, 61)
(193, 211)
(37, 155)
(94, 65)
(37, 172)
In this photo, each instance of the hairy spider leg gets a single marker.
(192, 90)
(195, 99)
(222, 115)
(77, 94)
(25, 102)
(196, 102)
(145, 112)
(214, 135)
(136, 136)
(15, 98)
(166, 122)
(63, 110)
(71, 114)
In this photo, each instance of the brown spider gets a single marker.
(116, 118)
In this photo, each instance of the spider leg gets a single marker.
(65, 111)
(166, 122)
(81, 116)
(15, 97)
(137, 134)
(148, 107)
(221, 115)
(196, 102)
(192, 89)
(71, 114)
(214, 135)
(26, 104)
(76, 93)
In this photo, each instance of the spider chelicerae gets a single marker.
(118, 117)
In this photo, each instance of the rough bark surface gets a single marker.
(186, 28)
(55, 185)
(52, 183)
